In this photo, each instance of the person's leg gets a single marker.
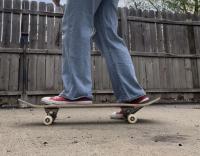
(77, 32)
(78, 24)
(121, 70)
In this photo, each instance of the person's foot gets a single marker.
(58, 100)
(138, 101)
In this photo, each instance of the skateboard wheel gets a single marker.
(131, 119)
(48, 120)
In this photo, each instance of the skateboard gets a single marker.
(129, 109)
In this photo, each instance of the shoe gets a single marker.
(58, 100)
(117, 115)
(120, 114)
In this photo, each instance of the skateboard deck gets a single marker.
(52, 110)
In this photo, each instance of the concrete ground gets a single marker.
(160, 131)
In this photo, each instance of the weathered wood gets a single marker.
(50, 72)
(124, 25)
(58, 30)
(197, 36)
(15, 38)
(13, 73)
(25, 18)
(42, 27)
(110, 92)
(153, 30)
(41, 72)
(31, 12)
(33, 26)
(50, 28)
(163, 21)
(164, 48)
(6, 25)
(1, 20)
(159, 34)
(146, 33)
(132, 12)
(4, 71)
(32, 72)
(57, 73)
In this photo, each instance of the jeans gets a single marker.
(80, 19)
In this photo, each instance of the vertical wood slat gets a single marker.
(25, 18)
(132, 12)
(58, 85)
(58, 29)
(50, 28)
(14, 58)
(146, 33)
(159, 34)
(197, 35)
(139, 44)
(1, 20)
(24, 30)
(124, 25)
(42, 27)
(4, 71)
(14, 73)
(33, 26)
(16, 25)
(41, 72)
(7, 24)
(32, 75)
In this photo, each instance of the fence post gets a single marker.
(24, 45)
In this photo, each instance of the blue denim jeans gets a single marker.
(80, 19)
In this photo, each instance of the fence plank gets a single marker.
(4, 74)
(33, 26)
(57, 77)
(163, 73)
(149, 73)
(58, 30)
(7, 25)
(25, 18)
(146, 33)
(42, 27)
(197, 35)
(50, 28)
(32, 72)
(50, 72)
(124, 25)
(160, 35)
(13, 73)
(1, 20)
(139, 44)
(16, 25)
(41, 68)
(142, 69)
(153, 37)
(132, 12)
(188, 73)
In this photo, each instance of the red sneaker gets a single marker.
(58, 100)
(120, 114)
(140, 100)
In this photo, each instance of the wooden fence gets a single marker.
(165, 49)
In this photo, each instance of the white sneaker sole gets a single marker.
(46, 100)
(116, 116)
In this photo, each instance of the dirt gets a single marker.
(160, 131)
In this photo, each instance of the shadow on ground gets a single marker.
(90, 123)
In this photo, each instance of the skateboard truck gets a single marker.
(51, 115)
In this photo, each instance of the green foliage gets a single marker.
(182, 6)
